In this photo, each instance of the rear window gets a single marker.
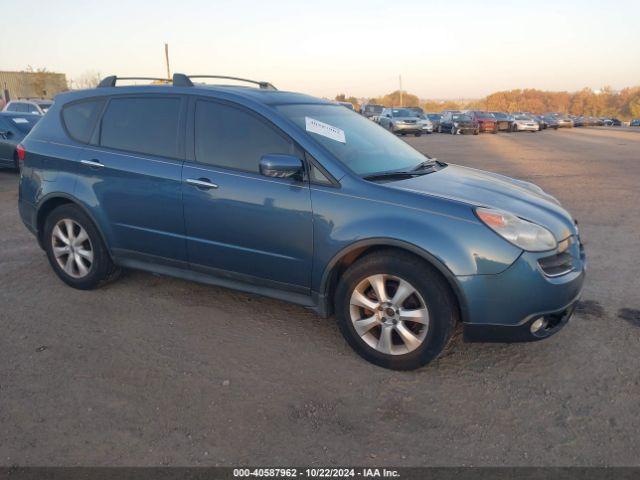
(142, 125)
(79, 118)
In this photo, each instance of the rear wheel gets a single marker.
(418, 134)
(75, 249)
(395, 311)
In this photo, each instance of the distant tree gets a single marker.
(88, 79)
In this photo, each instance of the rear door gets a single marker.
(132, 173)
(254, 228)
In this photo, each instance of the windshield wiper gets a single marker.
(396, 174)
(429, 163)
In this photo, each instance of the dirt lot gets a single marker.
(157, 371)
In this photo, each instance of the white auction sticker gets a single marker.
(324, 129)
(20, 120)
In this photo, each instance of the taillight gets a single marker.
(21, 152)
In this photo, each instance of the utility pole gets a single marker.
(166, 56)
(400, 78)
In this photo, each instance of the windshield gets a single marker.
(484, 115)
(460, 117)
(434, 116)
(404, 112)
(499, 115)
(522, 117)
(366, 147)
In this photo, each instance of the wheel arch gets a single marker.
(348, 255)
(54, 200)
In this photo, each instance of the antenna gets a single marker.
(166, 57)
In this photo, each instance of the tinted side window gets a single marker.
(142, 125)
(233, 138)
(14, 107)
(79, 118)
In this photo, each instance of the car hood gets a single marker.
(406, 118)
(485, 189)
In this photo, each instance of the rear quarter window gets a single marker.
(79, 118)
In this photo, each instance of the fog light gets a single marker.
(538, 324)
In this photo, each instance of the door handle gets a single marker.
(204, 183)
(92, 163)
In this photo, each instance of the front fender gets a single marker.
(447, 231)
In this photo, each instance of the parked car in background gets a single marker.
(370, 110)
(427, 125)
(486, 121)
(321, 208)
(564, 121)
(504, 120)
(635, 122)
(434, 118)
(550, 121)
(35, 106)
(455, 122)
(348, 105)
(579, 122)
(13, 128)
(612, 122)
(525, 123)
(401, 120)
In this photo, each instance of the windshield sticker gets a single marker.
(324, 129)
(20, 120)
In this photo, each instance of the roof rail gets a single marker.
(111, 80)
(181, 80)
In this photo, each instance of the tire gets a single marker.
(476, 131)
(91, 253)
(430, 294)
(418, 134)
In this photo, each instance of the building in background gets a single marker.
(32, 84)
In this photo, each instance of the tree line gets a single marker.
(623, 104)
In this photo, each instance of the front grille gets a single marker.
(556, 265)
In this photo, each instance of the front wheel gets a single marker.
(75, 249)
(395, 310)
(417, 134)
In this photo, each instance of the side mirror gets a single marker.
(280, 166)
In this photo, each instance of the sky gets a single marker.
(442, 49)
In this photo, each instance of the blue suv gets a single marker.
(297, 198)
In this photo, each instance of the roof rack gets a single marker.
(181, 80)
(111, 80)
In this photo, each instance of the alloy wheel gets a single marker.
(389, 314)
(72, 248)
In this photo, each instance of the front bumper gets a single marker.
(503, 307)
(407, 128)
(487, 127)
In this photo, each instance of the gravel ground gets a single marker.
(158, 371)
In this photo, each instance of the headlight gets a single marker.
(526, 235)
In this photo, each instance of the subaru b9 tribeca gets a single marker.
(296, 198)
